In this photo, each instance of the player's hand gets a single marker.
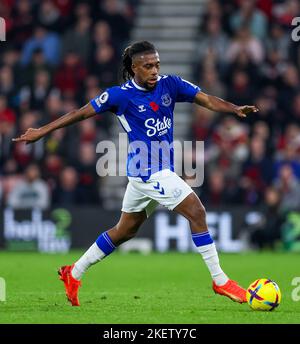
(243, 111)
(31, 135)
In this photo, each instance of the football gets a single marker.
(263, 295)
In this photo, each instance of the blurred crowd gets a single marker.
(61, 53)
(246, 55)
(58, 55)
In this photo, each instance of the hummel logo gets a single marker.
(159, 188)
(142, 108)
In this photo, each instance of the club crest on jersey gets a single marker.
(166, 99)
(176, 192)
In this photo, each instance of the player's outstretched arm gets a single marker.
(217, 104)
(32, 135)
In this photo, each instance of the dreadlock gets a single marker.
(129, 52)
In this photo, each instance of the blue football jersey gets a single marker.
(147, 118)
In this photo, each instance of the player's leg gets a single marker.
(136, 207)
(193, 210)
(168, 189)
(106, 243)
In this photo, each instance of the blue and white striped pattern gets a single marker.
(105, 244)
(201, 239)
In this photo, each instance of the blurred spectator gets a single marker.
(212, 42)
(229, 147)
(7, 129)
(1, 193)
(242, 63)
(25, 154)
(202, 127)
(53, 106)
(64, 6)
(49, 16)
(88, 132)
(105, 65)
(7, 85)
(289, 137)
(288, 148)
(30, 193)
(88, 178)
(245, 41)
(211, 84)
(47, 41)
(256, 172)
(285, 11)
(213, 10)
(102, 33)
(289, 88)
(55, 142)
(289, 188)
(82, 10)
(23, 21)
(40, 89)
(6, 113)
(261, 130)
(53, 165)
(36, 64)
(296, 108)
(290, 157)
(70, 75)
(267, 111)
(10, 57)
(251, 16)
(278, 41)
(267, 232)
(218, 191)
(119, 24)
(77, 39)
(273, 69)
(9, 177)
(103, 121)
(66, 193)
(241, 90)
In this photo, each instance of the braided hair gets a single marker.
(129, 52)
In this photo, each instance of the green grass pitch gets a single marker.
(170, 288)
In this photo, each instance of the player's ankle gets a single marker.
(220, 280)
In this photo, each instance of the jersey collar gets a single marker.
(139, 87)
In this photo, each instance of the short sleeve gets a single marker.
(186, 90)
(110, 100)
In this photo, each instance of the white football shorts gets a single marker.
(163, 187)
